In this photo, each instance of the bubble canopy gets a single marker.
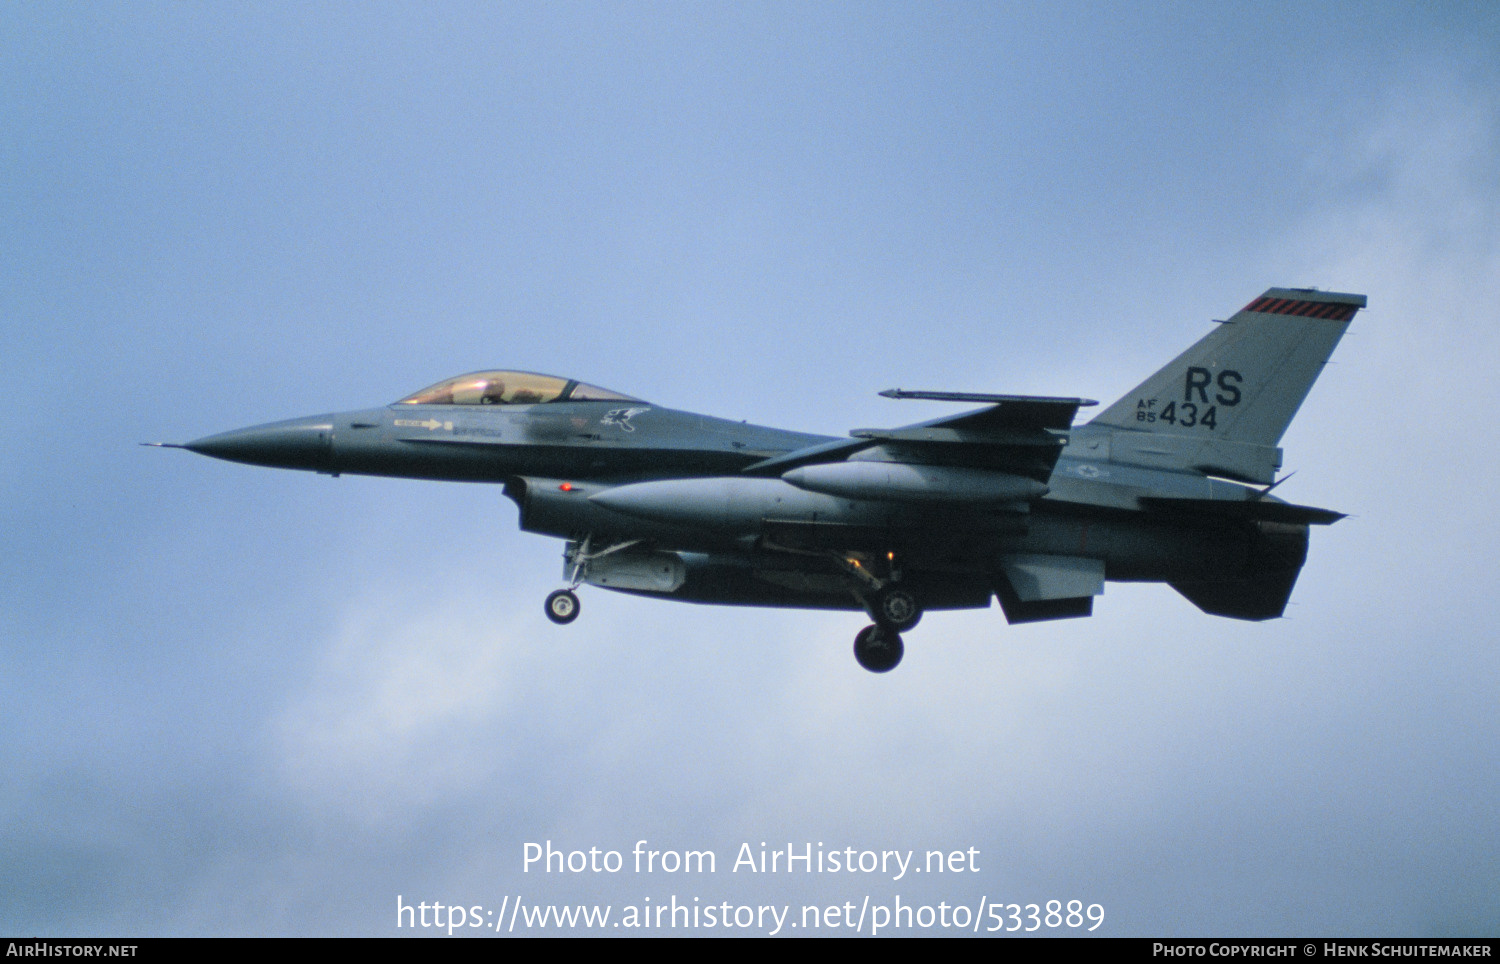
(511, 388)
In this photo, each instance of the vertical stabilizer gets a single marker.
(1223, 405)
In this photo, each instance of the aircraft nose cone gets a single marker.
(300, 443)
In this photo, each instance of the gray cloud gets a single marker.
(251, 702)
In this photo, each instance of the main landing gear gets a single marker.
(878, 648)
(895, 608)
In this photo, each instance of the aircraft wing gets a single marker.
(1018, 435)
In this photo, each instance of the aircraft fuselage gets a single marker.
(1011, 501)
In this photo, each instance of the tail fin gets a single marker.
(1223, 405)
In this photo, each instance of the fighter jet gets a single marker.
(1008, 501)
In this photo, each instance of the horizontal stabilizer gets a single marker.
(1253, 510)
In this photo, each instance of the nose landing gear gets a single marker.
(562, 606)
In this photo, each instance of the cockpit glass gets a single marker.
(593, 393)
(510, 388)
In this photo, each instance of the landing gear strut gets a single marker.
(889, 605)
(878, 649)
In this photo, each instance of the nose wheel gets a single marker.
(878, 649)
(562, 606)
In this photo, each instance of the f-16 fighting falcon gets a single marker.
(1009, 500)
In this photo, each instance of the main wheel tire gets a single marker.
(896, 609)
(562, 606)
(878, 649)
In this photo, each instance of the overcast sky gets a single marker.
(248, 701)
